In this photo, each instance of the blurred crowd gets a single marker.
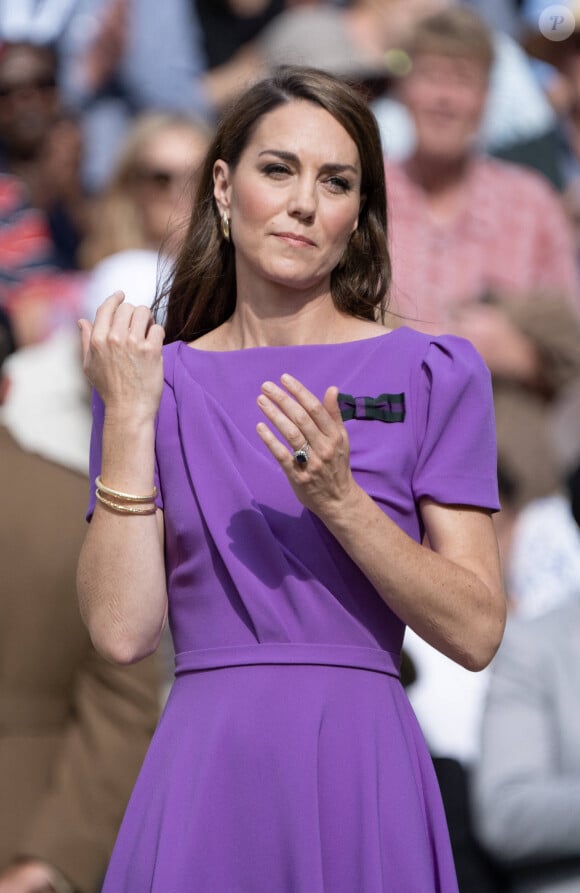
(106, 108)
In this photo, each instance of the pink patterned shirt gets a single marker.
(512, 235)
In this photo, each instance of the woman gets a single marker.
(284, 534)
(145, 208)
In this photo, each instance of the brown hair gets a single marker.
(457, 31)
(202, 294)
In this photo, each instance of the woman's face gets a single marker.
(164, 182)
(293, 199)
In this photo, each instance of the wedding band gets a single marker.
(301, 455)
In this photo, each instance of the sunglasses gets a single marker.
(39, 84)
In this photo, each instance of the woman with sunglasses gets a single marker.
(139, 221)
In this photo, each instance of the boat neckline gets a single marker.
(280, 347)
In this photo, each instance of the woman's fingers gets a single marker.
(122, 355)
(288, 429)
(298, 416)
(308, 402)
(296, 413)
(156, 335)
(120, 323)
(278, 450)
(106, 311)
(86, 329)
(141, 321)
(330, 403)
(117, 321)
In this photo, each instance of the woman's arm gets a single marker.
(121, 572)
(451, 593)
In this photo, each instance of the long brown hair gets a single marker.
(202, 293)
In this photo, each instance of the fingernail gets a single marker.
(268, 386)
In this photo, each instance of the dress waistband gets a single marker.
(353, 656)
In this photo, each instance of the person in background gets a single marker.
(41, 144)
(43, 206)
(482, 247)
(517, 114)
(526, 787)
(27, 256)
(140, 219)
(117, 58)
(463, 224)
(73, 727)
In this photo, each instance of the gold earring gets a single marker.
(225, 225)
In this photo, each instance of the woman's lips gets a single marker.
(296, 239)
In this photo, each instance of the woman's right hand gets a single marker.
(122, 356)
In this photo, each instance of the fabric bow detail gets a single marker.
(384, 408)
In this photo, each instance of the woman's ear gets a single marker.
(221, 185)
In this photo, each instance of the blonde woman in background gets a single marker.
(138, 223)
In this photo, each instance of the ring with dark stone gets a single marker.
(301, 455)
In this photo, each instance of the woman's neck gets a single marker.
(310, 323)
(314, 322)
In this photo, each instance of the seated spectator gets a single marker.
(482, 248)
(73, 728)
(462, 224)
(140, 219)
(26, 247)
(42, 203)
(527, 784)
(518, 117)
(41, 144)
(38, 297)
(118, 58)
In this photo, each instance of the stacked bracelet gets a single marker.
(125, 503)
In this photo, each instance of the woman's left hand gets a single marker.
(325, 481)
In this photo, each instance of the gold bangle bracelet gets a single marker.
(147, 509)
(126, 497)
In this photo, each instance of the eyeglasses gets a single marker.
(39, 84)
(163, 179)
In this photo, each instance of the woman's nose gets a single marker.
(302, 201)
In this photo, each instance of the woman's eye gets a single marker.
(338, 184)
(275, 169)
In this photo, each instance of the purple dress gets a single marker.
(288, 759)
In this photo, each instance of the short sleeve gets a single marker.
(95, 455)
(457, 452)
